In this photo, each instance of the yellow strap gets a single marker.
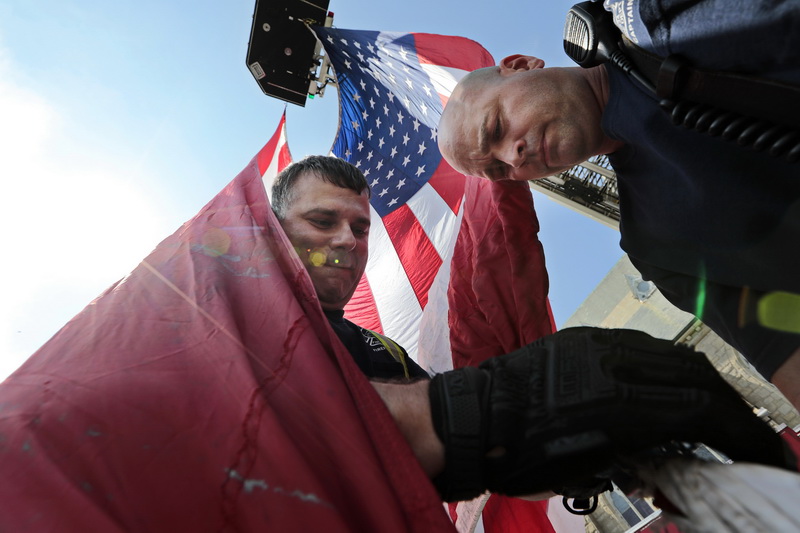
(394, 350)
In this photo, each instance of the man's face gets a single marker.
(519, 121)
(329, 227)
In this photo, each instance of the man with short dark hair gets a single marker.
(322, 204)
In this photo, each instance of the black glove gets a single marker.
(558, 414)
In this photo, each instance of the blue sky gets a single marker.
(120, 120)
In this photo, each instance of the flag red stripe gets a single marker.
(513, 515)
(266, 154)
(361, 308)
(284, 156)
(419, 257)
(449, 184)
(454, 52)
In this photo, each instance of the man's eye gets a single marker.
(321, 223)
(361, 232)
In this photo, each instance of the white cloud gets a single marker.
(71, 226)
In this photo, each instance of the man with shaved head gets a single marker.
(715, 225)
(518, 121)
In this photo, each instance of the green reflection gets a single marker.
(780, 311)
(700, 301)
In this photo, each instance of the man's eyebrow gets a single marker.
(322, 211)
(485, 130)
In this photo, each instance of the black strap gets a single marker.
(675, 79)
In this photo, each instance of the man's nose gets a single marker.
(344, 238)
(514, 153)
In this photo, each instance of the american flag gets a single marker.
(392, 89)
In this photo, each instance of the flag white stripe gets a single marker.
(444, 79)
(394, 296)
(436, 218)
(433, 353)
(272, 170)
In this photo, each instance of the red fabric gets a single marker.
(508, 515)
(792, 440)
(498, 279)
(206, 392)
(498, 303)
(661, 525)
(444, 51)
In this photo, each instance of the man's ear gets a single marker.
(518, 62)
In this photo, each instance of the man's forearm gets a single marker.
(410, 407)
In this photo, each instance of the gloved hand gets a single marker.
(559, 413)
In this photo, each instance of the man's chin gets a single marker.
(334, 300)
(330, 306)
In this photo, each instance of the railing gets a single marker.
(592, 184)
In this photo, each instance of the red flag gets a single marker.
(275, 155)
(205, 392)
(498, 281)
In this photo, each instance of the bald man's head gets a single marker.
(450, 137)
(520, 121)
